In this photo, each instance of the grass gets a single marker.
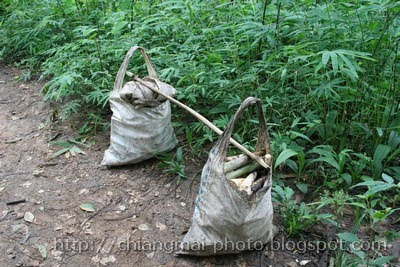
(326, 72)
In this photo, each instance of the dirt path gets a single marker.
(140, 212)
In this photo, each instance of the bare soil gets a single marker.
(137, 203)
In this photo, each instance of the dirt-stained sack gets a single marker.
(226, 220)
(141, 121)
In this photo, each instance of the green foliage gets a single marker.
(296, 217)
(69, 146)
(333, 64)
(337, 200)
(173, 164)
(357, 256)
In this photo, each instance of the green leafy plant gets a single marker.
(337, 200)
(296, 217)
(70, 146)
(173, 164)
(360, 257)
(375, 203)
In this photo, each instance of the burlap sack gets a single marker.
(141, 121)
(226, 220)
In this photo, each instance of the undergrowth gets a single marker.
(326, 72)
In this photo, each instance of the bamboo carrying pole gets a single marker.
(200, 118)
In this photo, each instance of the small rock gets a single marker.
(106, 260)
(57, 255)
(304, 262)
(11, 256)
(143, 227)
(23, 86)
(2, 188)
(41, 191)
(161, 226)
(89, 231)
(27, 184)
(43, 251)
(150, 255)
(168, 185)
(122, 207)
(37, 172)
(41, 208)
(183, 204)
(269, 254)
(83, 191)
(29, 217)
(178, 196)
(96, 259)
(58, 228)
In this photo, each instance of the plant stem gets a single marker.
(263, 23)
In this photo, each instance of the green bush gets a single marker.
(326, 71)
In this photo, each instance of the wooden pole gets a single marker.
(202, 119)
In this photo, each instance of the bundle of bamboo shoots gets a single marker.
(247, 175)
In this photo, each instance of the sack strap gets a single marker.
(221, 147)
(122, 69)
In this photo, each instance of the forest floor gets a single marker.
(133, 203)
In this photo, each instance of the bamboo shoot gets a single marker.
(258, 184)
(237, 181)
(235, 164)
(231, 158)
(243, 171)
(246, 184)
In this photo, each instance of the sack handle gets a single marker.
(221, 147)
(122, 69)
